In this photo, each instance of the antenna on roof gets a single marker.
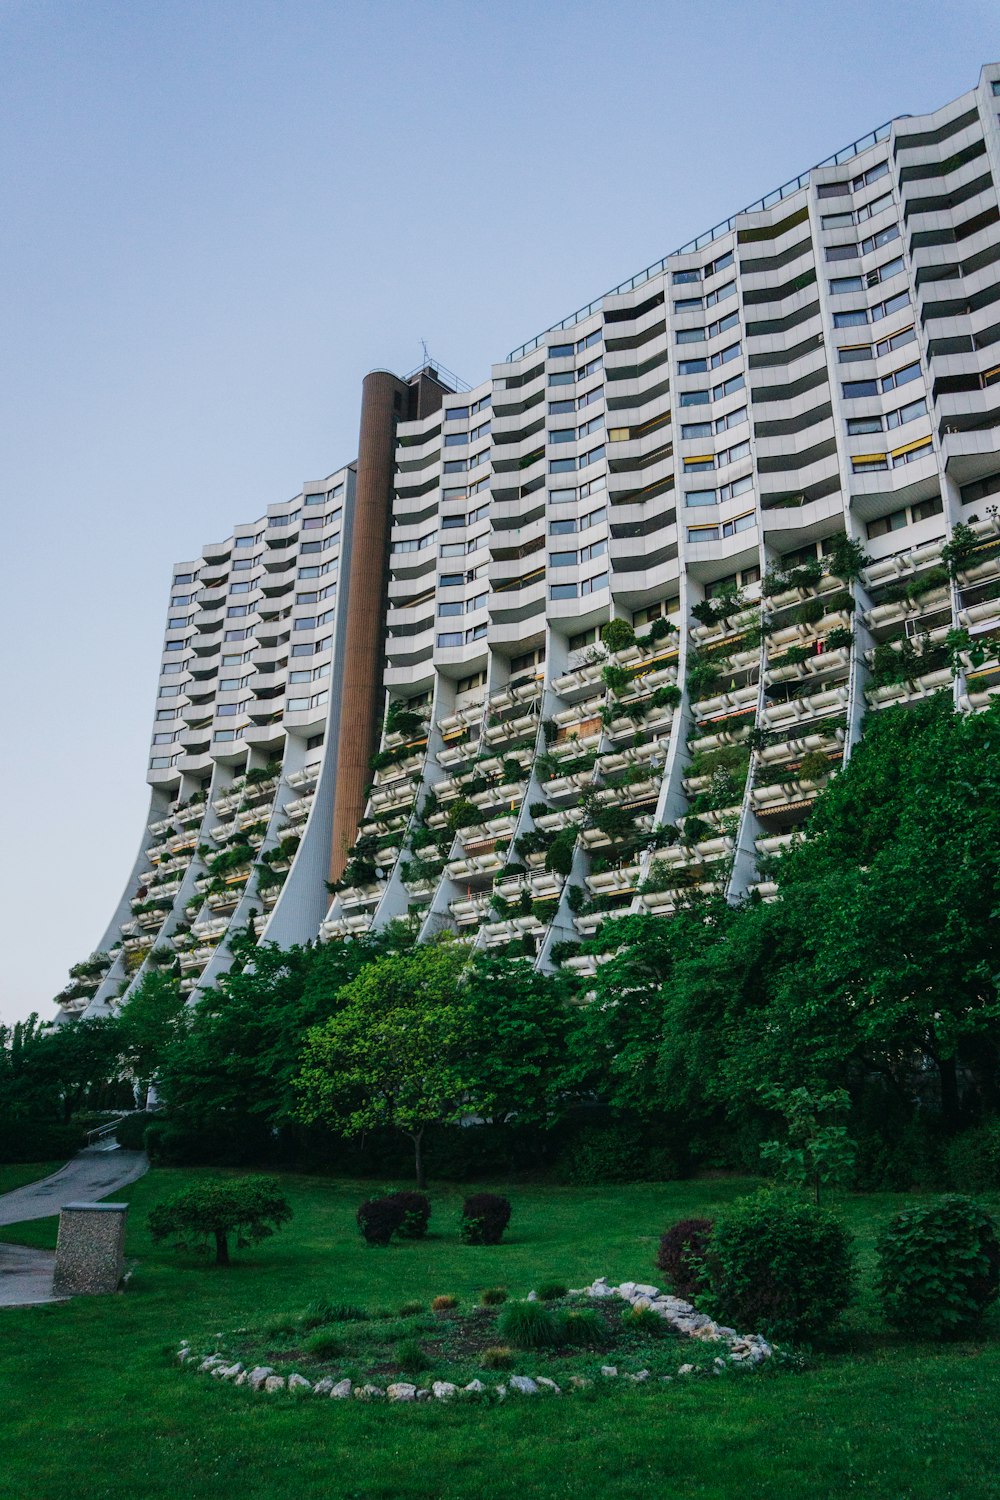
(424, 351)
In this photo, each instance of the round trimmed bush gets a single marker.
(379, 1219)
(584, 1327)
(485, 1216)
(939, 1267)
(779, 1266)
(529, 1325)
(416, 1214)
(681, 1256)
(617, 635)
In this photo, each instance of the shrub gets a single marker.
(584, 1328)
(324, 1346)
(493, 1296)
(644, 1320)
(131, 1132)
(251, 1208)
(780, 1267)
(550, 1291)
(444, 1304)
(485, 1216)
(603, 1153)
(379, 1218)
(617, 635)
(972, 1160)
(939, 1267)
(410, 1356)
(681, 1256)
(499, 1357)
(411, 1309)
(344, 1312)
(529, 1325)
(416, 1214)
(317, 1313)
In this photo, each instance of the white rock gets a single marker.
(259, 1375)
(532, 1297)
(401, 1390)
(227, 1372)
(340, 1390)
(549, 1385)
(185, 1343)
(686, 1370)
(641, 1304)
(625, 1289)
(719, 1366)
(524, 1384)
(369, 1393)
(241, 1379)
(444, 1390)
(211, 1362)
(423, 1395)
(474, 1387)
(609, 1370)
(323, 1387)
(666, 1379)
(501, 1391)
(646, 1291)
(640, 1376)
(274, 1383)
(299, 1383)
(580, 1382)
(183, 1356)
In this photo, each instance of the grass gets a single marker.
(93, 1407)
(12, 1177)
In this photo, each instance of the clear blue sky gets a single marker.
(217, 216)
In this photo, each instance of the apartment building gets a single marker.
(591, 636)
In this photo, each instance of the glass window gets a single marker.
(314, 499)
(901, 377)
(174, 646)
(858, 426)
(841, 252)
(895, 341)
(595, 584)
(838, 221)
(680, 278)
(720, 294)
(560, 408)
(700, 497)
(734, 383)
(562, 559)
(561, 351)
(562, 377)
(562, 528)
(451, 608)
(688, 304)
(451, 580)
(731, 419)
(456, 413)
(850, 319)
(561, 465)
(907, 413)
(563, 591)
(693, 398)
(186, 577)
(890, 305)
(850, 352)
(696, 429)
(692, 366)
(854, 389)
(563, 435)
(690, 335)
(177, 622)
(842, 284)
(244, 541)
(697, 465)
(723, 356)
(451, 638)
(703, 533)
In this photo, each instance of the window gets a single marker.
(313, 523)
(868, 463)
(563, 591)
(177, 622)
(720, 294)
(456, 413)
(563, 435)
(244, 541)
(727, 388)
(451, 638)
(738, 487)
(872, 175)
(841, 252)
(453, 607)
(854, 389)
(453, 439)
(228, 709)
(229, 684)
(236, 635)
(841, 284)
(721, 324)
(851, 319)
(174, 646)
(688, 304)
(681, 278)
(595, 454)
(317, 499)
(296, 705)
(241, 588)
(901, 377)
(163, 714)
(692, 366)
(163, 739)
(700, 497)
(694, 398)
(739, 523)
(171, 666)
(595, 584)
(159, 762)
(696, 430)
(475, 634)
(589, 369)
(703, 533)
(451, 580)
(912, 451)
(876, 206)
(170, 692)
(699, 463)
(732, 351)
(690, 335)
(453, 549)
(859, 426)
(885, 524)
(562, 377)
(832, 189)
(895, 341)
(876, 241)
(596, 424)
(738, 450)
(589, 397)
(237, 611)
(926, 509)
(838, 221)
(908, 413)
(884, 272)
(479, 432)
(244, 564)
(719, 264)
(890, 305)
(562, 559)
(731, 419)
(305, 622)
(186, 577)
(847, 353)
(560, 408)
(177, 599)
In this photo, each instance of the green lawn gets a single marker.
(12, 1177)
(92, 1406)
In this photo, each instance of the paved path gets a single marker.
(26, 1274)
(91, 1175)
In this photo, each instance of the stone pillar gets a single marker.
(90, 1250)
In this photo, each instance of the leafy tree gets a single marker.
(516, 1022)
(252, 1208)
(396, 1051)
(153, 1016)
(817, 1151)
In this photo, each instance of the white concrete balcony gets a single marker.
(909, 692)
(139, 942)
(193, 814)
(475, 866)
(980, 615)
(580, 682)
(568, 788)
(684, 856)
(571, 746)
(180, 842)
(209, 931)
(563, 817)
(508, 792)
(648, 757)
(718, 738)
(614, 882)
(902, 565)
(229, 802)
(389, 800)
(150, 921)
(298, 810)
(544, 886)
(510, 729)
(824, 664)
(333, 929)
(306, 777)
(801, 744)
(509, 887)
(639, 791)
(828, 700)
(162, 826)
(778, 843)
(880, 616)
(462, 718)
(454, 755)
(784, 794)
(827, 585)
(731, 629)
(408, 767)
(975, 702)
(361, 897)
(665, 903)
(470, 910)
(722, 703)
(801, 634)
(511, 928)
(767, 890)
(588, 924)
(588, 712)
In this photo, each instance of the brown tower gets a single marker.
(385, 400)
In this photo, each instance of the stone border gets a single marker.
(742, 1351)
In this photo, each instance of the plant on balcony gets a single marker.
(559, 855)
(815, 766)
(259, 775)
(269, 878)
(401, 719)
(695, 830)
(462, 814)
(543, 910)
(958, 641)
(960, 547)
(97, 964)
(617, 635)
(726, 603)
(726, 757)
(561, 951)
(926, 583)
(839, 638)
(658, 631)
(535, 841)
(702, 676)
(576, 898)
(659, 877)
(616, 679)
(510, 769)
(667, 696)
(846, 557)
(550, 731)
(416, 870)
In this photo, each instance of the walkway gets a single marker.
(26, 1274)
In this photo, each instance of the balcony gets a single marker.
(619, 882)
(740, 701)
(306, 777)
(470, 911)
(582, 680)
(519, 727)
(335, 929)
(479, 866)
(509, 929)
(910, 692)
(810, 706)
(298, 810)
(664, 903)
(361, 897)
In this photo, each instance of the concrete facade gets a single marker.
(822, 368)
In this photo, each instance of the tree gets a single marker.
(154, 1015)
(252, 1208)
(516, 1022)
(817, 1151)
(395, 1053)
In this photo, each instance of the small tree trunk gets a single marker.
(221, 1247)
(417, 1136)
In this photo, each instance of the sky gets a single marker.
(216, 217)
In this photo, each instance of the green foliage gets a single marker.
(410, 1357)
(644, 1320)
(939, 1268)
(780, 1266)
(323, 1346)
(958, 550)
(817, 1152)
(617, 635)
(972, 1159)
(380, 1218)
(529, 1325)
(485, 1216)
(584, 1328)
(846, 557)
(559, 855)
(616, 679)
(251, 1208)
(416, 1215)
(550, 1291)
(493, 1296)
